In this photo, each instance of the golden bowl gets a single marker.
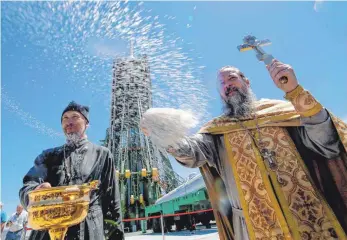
(58, 208)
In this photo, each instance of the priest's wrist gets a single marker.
(304, 103)
(292, 89)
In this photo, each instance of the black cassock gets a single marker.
(77, 164)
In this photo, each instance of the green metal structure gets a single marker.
(143, 171)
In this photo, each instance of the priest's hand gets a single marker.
(168, 149)
(278, 70)
(43, 185)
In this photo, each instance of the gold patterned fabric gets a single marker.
(281, 202)
(259, 210)
(269, 113)
(341, 128)
(299, 207)
(305, 104)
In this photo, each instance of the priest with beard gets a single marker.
(77, 162)
(273, 169)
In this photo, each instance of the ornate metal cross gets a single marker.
(269, 156)
(252, 43)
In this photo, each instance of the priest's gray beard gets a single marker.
(241, 103)
(73, 138)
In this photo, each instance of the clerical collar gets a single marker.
(238, 118)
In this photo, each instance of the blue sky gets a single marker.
(44, 65)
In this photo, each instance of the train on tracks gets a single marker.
(189, 197)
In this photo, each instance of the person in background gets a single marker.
(3, 218)
(17, 224)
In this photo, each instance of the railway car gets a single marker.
(190, 196)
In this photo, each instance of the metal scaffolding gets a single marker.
(144, 172)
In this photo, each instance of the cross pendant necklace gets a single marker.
(268, 155)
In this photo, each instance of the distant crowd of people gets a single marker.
(15, 224)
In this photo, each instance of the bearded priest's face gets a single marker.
(74, 124)
(235, 91)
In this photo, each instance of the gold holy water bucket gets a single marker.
(56, 209)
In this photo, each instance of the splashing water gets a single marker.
(26, 118)
(167, 126)
(97, 33)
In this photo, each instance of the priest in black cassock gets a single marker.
(79, 161)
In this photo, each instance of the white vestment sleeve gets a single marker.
(195, 151)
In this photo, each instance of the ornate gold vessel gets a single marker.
(56, 209)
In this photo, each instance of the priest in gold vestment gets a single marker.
(273, 169)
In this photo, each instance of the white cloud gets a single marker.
(318, 4)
